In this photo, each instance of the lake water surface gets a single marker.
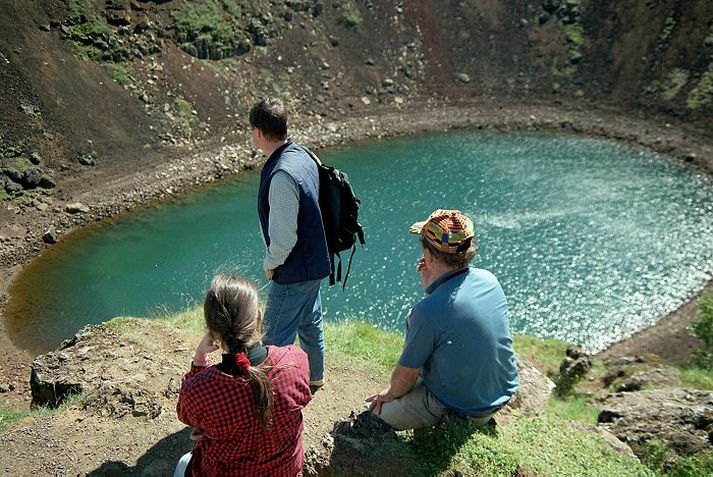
(591, 240)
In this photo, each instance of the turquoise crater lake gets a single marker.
(592, 240)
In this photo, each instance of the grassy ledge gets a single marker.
(560, 441)
(544, 445)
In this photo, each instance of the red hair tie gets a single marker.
(242, 362)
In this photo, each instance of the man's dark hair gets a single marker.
(465, 254)
(270, 117)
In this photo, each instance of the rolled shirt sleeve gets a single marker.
(284, 200)
(420, 340)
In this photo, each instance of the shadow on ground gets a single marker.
(365, 445)
(159, 460)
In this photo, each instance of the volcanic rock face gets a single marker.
(682, 417)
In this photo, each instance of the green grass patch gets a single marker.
(136, 330)
(118, 73)
(240, 8)
(542, 445)
(573, 408)
(363, 342)
(184, 118)
(575, 34)
(81, 7)
(203, 18)
(234, 8)
(95, 27)
(659, 458)
(10, 416)
(696, 377)
(699, 372)
(702, 94)
(545, 354)
(351, 16)
(189, 321)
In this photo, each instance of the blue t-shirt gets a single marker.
(460, 336)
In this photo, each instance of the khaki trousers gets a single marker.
(419, 408)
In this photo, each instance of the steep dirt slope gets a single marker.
(53, 102)
(91, 84)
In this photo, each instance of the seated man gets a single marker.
(458, 352)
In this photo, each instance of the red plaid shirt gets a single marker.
(234, 443)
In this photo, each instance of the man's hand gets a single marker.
(204, 348)
(269, 274)
(378, 399)
(423, 272)
(402, 381)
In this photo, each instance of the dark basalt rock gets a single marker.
(680, 417)
(12, 174)
(47, 182)
(50, 236)
(31, 178)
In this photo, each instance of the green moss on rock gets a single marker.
(351, 16)
(702, 94)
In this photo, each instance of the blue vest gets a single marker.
(309, 258)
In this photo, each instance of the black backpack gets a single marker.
(340, 216)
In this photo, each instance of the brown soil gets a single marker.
(102, 437)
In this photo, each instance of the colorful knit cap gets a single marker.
(446, 230)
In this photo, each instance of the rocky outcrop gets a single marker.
(351, 447)
(681, 417)
(574, 367)
(118, 377)
(535, 391)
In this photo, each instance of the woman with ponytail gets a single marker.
(246, 411)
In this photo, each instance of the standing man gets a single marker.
(458, 352)
(297, 258)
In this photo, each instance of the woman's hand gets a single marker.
(204, 348)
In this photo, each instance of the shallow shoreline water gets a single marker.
(143, 188)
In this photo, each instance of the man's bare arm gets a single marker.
(402, 381)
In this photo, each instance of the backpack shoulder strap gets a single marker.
(312, 155)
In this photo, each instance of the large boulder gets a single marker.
(681, 417)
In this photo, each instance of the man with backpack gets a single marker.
(297, 257)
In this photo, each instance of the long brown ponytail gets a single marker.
(231, 310)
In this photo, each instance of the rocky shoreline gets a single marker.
(21, 239)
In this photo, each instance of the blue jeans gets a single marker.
(297, 308)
